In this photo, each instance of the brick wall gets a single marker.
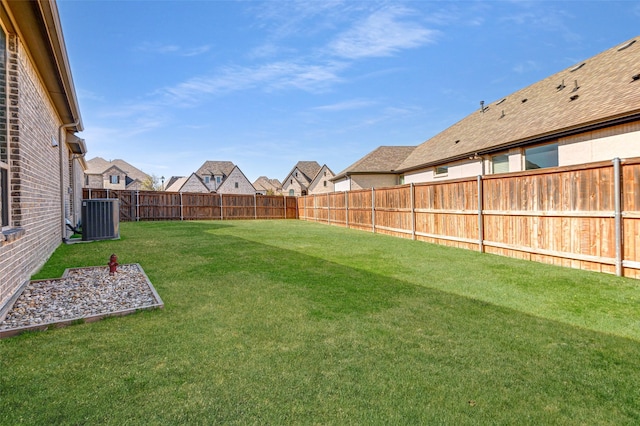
(229, 185)
(193, 184)
(35, 171)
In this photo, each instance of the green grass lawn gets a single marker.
(290, 322)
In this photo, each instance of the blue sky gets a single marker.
(166, 85)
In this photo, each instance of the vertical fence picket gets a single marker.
(480, 216)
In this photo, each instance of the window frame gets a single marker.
(493, 163)
(540, 150)
(439, 171)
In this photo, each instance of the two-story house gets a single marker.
(113, 174)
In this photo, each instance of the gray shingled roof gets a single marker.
(384, 159)
(595, 91)
(98, 165)
(308, 168)
(267, 184)
(215, 168)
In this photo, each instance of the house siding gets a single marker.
(34, 174)
(193, 184)
(229, 187)
(622, 141)
(372, 181)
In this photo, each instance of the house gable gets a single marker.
(322, 182)
(300, 177)
(213, 173)
(236, 183)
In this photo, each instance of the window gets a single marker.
(291, 193)
(500, 164)
(236, 184)
(441, 170)
(4, 140)
(207, 179)
(114, 179)
(218, 179)
(541, 156)
(325, 183)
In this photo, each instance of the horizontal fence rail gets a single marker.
(585, 217)
(160, 205)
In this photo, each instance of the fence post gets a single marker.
(617, 188)
(181, 208)
(137, 206)
(221, 215)
(346, 208)
(255, 206)
(90, 194)
(373, 209)
(285, 205)
(413, 213)
(328, 209)
(480, 216)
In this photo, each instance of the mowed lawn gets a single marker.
(290, 322)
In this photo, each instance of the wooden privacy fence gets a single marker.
(158, 205)
(585, 217)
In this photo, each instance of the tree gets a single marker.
(151, 183)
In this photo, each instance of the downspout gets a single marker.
(63, 142)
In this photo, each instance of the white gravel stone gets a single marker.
(83, 292)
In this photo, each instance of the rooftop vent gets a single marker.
(574, 97)
(560, 86)
(576, 68)
(635, 77)
(502, 114)
(525, 100)
(457, 141)
(624, 46)
(482, 107)
(575, 86)
(501, 101)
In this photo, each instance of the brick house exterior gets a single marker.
(113, 174)
(236, 183)
(321, 183)
(41, 160)
(192, 183)
(213, 173)
(299, 178)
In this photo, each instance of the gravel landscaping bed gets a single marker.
(81, 294)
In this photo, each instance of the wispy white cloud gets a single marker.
(382, 33)
(347, 105)
(172, 49)
(526, 67)
(268, 77)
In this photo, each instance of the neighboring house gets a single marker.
(114, 174)
(171, 181)
(236, 183)
(266, 186)
(41, 160)
(300, 177)
(586, 113)
(321, 183)
(192, 183)
(375, 170)
(214, 173)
